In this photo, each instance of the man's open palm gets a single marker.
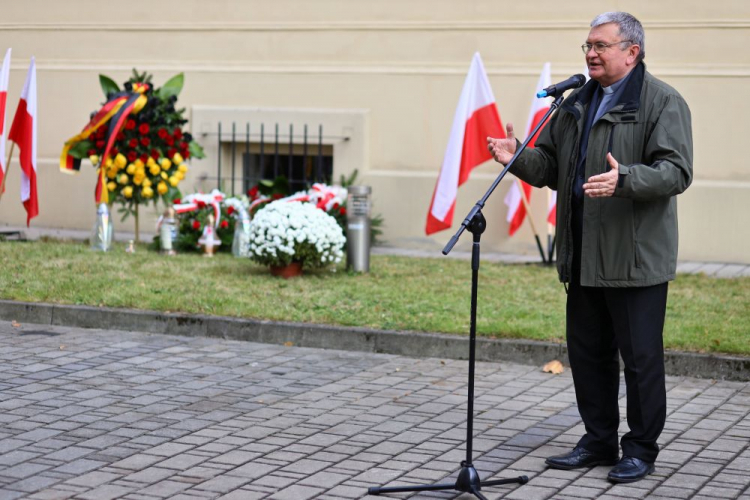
(503, 149)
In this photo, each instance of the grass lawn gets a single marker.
(401, 293)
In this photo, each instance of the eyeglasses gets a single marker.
(600, 47)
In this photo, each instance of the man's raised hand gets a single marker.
(603, 185)
(502, 150)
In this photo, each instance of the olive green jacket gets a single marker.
(629, 239)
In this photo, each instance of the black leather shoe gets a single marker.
(579, 457)
(629, 470)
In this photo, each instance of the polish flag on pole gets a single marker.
(23, 133)
(4, 75)
(513, 200)
(476, 118)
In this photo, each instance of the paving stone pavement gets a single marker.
(102, 414)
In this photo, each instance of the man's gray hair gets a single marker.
(630, 28)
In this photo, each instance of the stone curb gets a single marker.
(414, 344)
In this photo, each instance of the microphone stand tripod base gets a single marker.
(467, 482)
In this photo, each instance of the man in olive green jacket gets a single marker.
(618, 151)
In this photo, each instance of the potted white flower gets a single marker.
(289, 235)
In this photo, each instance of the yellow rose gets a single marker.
(147, 192)
(162, 188)
(127, 192)
(177, 159)
(179, 175)
(138, 164)
(123, 179)
(111, 186)
(174, 181)
(120, 160)
(94, 159)
(183, 168)
(154, 169)
(146, 183)
(164, 176)
(111, 173)
(131, 169)
(150, 162)
(108, 163)
(165, 164)
(138, 180)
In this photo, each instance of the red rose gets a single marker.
(114, 152)
(133, 143)
(224, 224)
(132, 156)
(100, 133)
(130, 124)
(335, 206)
(155, 154)
(144, 128)
(177, 134)
(184, 146)
(92, 152)
(201, 204)
(185, 154)
(145, 141)
(99, 144)
(342, 211)
(169, 140)
(177, 201)
(171, 152)
(120, 136)
(252, 193)
(230, 210)
(163, 133)
(144, 157)
(196, 225)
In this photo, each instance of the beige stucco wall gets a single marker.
(386, 75)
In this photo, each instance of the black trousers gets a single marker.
(601, 322)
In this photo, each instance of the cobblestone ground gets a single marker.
(93, 414)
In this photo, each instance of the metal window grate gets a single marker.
(299, 155)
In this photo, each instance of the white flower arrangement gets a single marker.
(283, 232)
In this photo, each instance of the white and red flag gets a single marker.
(23, 133)
(514, 200)
(476, 118)
(4, 75)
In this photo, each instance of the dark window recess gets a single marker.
(302, 171)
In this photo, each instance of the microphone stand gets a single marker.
(468, 479)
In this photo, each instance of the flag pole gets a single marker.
(7, 167)
(531, 220)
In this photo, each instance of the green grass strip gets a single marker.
(402, 293)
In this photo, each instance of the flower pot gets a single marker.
(288, 271)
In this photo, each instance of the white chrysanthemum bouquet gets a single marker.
(283, 232)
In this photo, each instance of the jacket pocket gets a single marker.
(617, 246)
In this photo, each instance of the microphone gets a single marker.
(558, 89)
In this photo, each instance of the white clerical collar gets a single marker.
(613, 88)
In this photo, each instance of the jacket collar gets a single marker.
(630, 99)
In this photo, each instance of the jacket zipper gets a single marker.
(636, 251)
(567, 278)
